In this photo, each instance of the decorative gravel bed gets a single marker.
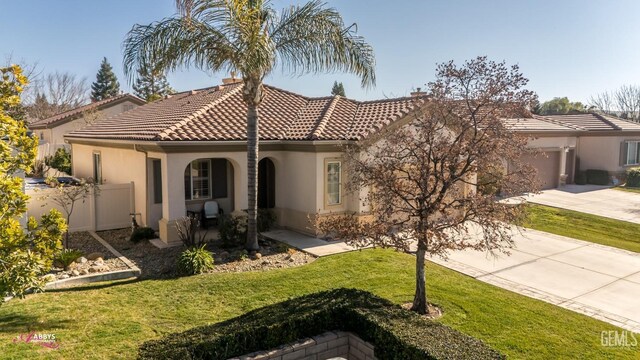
(161, 263)
(95, 258)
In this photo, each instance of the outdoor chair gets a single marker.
(210, 211)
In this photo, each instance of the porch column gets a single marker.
(173, 202)
(563, 166)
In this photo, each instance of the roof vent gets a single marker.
(193, 92)
(418, 92)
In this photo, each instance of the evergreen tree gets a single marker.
(151, 84)
(338, 89)
(106, 84)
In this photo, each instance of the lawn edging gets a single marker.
(132, 272)
(394, 332)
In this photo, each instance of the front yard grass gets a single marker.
(111, 320)
(628, 189)
(582, 226)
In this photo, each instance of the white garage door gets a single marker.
(548, 166)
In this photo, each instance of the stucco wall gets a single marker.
(119, 165)
(601, 152)
(553, 142)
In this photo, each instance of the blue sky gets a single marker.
(566, 48)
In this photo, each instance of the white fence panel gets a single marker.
(113, 206)
(109, 210)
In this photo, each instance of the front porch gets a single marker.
(181, 183)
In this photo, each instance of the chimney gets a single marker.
(231, 80)
(418, 92)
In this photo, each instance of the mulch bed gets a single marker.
(161, 263)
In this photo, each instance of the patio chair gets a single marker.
(210, 211)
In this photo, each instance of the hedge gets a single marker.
(633, 177)
(597, 177)
(395, 333)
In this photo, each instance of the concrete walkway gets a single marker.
(314, 246)
(595, 280)
(593, 199)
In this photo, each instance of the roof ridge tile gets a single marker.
(328, 111)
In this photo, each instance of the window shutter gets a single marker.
(624, 146)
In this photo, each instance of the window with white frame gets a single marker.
(632, 153)
(197, 180)
(334, 182)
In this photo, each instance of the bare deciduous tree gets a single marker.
(57, 92)
(420, 177)
(66, 196)
(623, 102)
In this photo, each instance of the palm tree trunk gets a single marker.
(252, 168)
(420, 297)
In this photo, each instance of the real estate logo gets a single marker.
(614, 338)
(44, 340)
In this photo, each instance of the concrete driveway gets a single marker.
(595, 280)
(593, 199)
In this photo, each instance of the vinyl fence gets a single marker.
(108, 210)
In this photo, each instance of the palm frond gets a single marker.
(312, 38)
(172, 43)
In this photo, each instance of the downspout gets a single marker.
(146, 184)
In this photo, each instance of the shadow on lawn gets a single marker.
(16, 324)
(96, 286)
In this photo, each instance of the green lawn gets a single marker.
(593, 228)
(628, 189)
(110, 321)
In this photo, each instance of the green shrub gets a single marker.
(61, 160)
(395, 333)
(633, 177)
(597, 177)
(233, 227)
(581, 178)
(66, 257)
(142, 233)
(195, 261)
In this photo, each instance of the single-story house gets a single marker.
(51, 130)
(191, 147)
(580, 142)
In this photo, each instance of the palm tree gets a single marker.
(250, 38)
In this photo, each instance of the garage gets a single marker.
(548, 166)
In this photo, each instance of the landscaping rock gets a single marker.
(99, 261)
(75, 273)
(81, 260)
(95, 256)
(256, 256)
(64, 276)
(83, 272)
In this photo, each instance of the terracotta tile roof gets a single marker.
(588, 122)
(218, 114)
(69, 115)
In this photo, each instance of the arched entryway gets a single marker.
(266, 184)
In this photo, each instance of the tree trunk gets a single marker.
(252, 168)
(420, 297)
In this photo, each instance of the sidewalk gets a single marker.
(311, 245)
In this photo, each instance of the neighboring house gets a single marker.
(191, 147)
(51, 130)
(580, 142)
